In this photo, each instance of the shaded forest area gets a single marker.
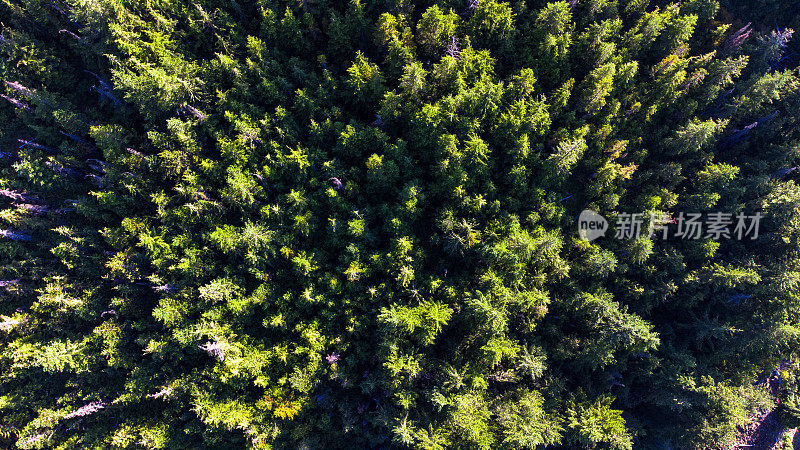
(328, 224)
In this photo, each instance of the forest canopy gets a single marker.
(355, 224)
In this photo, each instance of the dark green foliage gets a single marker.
(314, 224)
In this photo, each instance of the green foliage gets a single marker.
(353, 224)
(524, 422)
(592, 424)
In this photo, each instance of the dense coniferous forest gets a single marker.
(324, 224)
